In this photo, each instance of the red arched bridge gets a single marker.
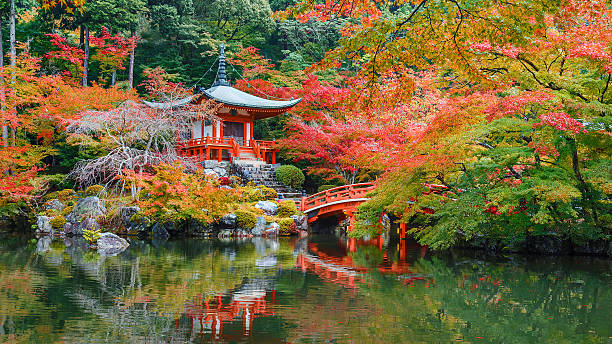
(343, 201)
(336, 201)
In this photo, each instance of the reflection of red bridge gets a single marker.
(246, 305)
(339, 267)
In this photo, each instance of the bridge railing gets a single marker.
(340, 193)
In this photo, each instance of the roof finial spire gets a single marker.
(221, 81)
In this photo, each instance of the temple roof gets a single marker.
(232, 96)
(223, 92)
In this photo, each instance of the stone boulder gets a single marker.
(83, 216)
(111, 244)
(77, 228)
(301, 222)
(228, 221)
(211, 172)
(91, 207)
(159, 231)
(221, 172)
(272, 229)
(126, 214)
(260, 226)
(268, 207)
(55, 204)
(43, 225)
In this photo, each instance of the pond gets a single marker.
(318, 289)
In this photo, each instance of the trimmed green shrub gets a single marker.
(95, 190)
(286, 208)
(58, 222)
(268, 193)
(287, 225)
(325, 187)
(290, 175)
(245, 219)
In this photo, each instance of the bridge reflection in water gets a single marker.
(256, 298)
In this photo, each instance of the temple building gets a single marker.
(232, 138)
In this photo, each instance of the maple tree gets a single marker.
(520, 125)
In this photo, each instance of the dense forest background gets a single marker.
(180, 36)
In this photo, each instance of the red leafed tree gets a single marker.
(112, 51)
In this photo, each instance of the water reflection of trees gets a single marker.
(195, 290)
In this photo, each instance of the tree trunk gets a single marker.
(3, 95)
(13, 50)
(86, 61)
(81, 36)
(131, 67)
(114, 78)
(12, 35)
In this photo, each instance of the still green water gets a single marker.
(311, 290)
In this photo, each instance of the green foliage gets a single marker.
(95, 190)
(91, 235)
(66, 195)
(324, 187)
(287, 226)
(58, 222)
(245, 219)
(286, 208)
(290, 175)
(269, 194)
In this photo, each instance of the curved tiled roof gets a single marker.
(232, 96)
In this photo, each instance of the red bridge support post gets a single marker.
(402, 231)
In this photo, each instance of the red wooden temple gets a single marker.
(231, 138)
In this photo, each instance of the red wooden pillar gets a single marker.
(201, 154)
(219, 154)
(352, 244)
(381, 242)
(207, 153)
(402, 230)
(402, 250)
(273, 157)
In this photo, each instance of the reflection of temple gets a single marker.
(244, 305)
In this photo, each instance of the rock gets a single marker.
(210, 164)
(111, 244)
(86, 207)
(272, 229)
(544, 245)
(43, 225)
(55, 204)
(300, 221)
(210, 172)
(228, 221)
(126, 213)
(260, 226)
(226, 187)
(221, 172)
(268, 207)
(159, 231)
(196, 227)
(71, 228)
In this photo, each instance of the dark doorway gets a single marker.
(235, 130)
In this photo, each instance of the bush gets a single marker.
(58, 222)
(286, 208)
(290, 175)
(268, 193)
(66, 195)
(245, 219)
(325, 187)
(67, 210)
(287, 226)
(95, 190)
